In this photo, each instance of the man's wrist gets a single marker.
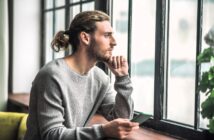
(121, 74)
(119, 78)
(103, 127)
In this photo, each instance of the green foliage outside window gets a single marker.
(206, 84)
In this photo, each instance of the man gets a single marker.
(68, 91)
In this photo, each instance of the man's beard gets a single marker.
(94, 53)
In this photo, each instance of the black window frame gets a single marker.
(172, 128)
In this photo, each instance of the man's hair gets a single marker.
(84, 21)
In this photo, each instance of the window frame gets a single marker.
(173, 128)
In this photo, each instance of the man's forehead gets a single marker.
(104, 26)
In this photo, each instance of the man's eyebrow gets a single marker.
(108, 32)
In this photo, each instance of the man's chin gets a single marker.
(104, 59)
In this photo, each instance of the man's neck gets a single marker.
(80, 63)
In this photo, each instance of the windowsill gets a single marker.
(20, 102)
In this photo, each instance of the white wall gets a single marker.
(3, 54)
(26, 45)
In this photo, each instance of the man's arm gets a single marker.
(122, 105)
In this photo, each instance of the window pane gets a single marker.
(48, 4)
(181, 61)
(73, 1)
(88, 6)
(208, 23)
(74, 10)
(48, 35)
(59, 25)
(143, 54)
(60, 3)
(120, 25)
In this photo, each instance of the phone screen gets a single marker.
(141, 118)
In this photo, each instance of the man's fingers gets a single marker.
(119, 128)
(117, 61)
(124, 61)
(129, 125)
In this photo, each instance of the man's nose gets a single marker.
(113, 41)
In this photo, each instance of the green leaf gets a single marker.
(212, 59)
(212, 94)
(205, 56)
(204, 83)
(211, 82)
(210, 76)
(211, 125)
(208, 107)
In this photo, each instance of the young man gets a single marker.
(67, 92)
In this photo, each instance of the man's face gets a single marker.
(102, 42)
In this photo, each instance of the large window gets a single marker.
(160, 39)
(136, 41)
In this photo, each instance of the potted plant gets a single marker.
(206, 83)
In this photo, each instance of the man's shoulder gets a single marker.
(50, 69)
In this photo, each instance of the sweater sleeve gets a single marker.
(50, 112)
(120, 105)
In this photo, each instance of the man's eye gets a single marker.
(107, 35)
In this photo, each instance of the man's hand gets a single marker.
(118, 65)
(119, 128)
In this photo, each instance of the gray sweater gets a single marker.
(62, 102)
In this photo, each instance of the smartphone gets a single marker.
(141, 118)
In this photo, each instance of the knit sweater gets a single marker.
(62, 102)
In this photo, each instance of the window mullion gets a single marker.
(80, 5)
(129, 34)
(43, 51)
(54, 23)
(166, 58)
(67, 18)
(159, 60)
(197, 73)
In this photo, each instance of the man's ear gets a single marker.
(85, 38)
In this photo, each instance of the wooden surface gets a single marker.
(20, 98)
(18, 102)
(140, 134)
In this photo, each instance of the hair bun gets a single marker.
(60, 41)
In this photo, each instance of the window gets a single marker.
(161, 40)
(57, 15)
